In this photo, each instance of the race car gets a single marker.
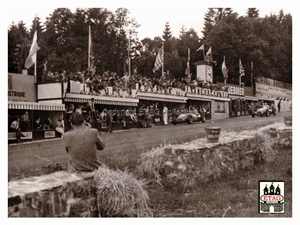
(189, 117)
(266, 110)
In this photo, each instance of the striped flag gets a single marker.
(31, 59)
(241, 68)
(159, 60)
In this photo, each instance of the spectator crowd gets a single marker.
(97, 82)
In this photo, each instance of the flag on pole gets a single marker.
(201, 48)
(241, 68)
(31, 59)
(224, 69)
(209, 51)
(132, 49)
(159, 60)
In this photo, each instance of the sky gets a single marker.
(151, 15)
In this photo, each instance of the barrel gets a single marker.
(287, 120)
(212, 134)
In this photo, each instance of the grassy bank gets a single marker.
(232, 196)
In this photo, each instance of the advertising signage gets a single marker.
(272, 92)
(21, 87)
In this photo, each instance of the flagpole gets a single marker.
(251, 73)
(89, 48)
(240, 72)
(129, 60)
(35, 78)
(163, 58)
(188, 61)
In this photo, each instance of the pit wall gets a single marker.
(64, 194)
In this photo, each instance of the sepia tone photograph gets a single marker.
(150, 111)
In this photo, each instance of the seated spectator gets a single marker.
(37, 124)
(82, 143)
(15, 126)
(50, 76)
(60, 126)
(48, 124)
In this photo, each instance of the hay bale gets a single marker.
(120, 194)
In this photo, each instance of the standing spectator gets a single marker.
(103, 120)
(44, 75)
(89, 82)
(278, 105)
(127, 117)
(92, 112)
(25, 124)
(165, 115)
(109, 120)
(82, 144)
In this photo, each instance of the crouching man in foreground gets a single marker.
(82, 143)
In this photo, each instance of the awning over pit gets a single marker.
(103, 100)
(161, 97)
(35, 106)
(206, 98)
(251, 98)
(235, 97)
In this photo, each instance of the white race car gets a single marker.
(266, 110)
(189, 117)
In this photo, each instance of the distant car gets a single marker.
(266, 110)
(189, 116)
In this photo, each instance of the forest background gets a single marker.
(264, 45)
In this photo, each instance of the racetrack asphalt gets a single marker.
(37, 153)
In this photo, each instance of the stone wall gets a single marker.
(60, 194)
(196, 162)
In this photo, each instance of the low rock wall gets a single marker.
(197, 162)
(60, 194)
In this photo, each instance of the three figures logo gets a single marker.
(271, 196)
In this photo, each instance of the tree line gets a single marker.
(264, 45)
